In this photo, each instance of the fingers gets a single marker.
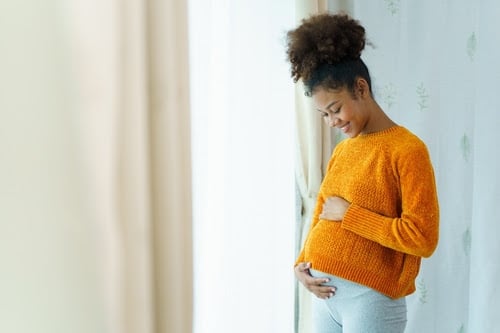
(316, 285)
(328, 209)
(323, 214)
(303, 266)
(324, 292)
(334, 209)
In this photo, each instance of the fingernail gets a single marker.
(334, 289)
(331, 295)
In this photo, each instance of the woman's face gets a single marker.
(341, 110)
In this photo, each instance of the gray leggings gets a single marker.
(357, 309)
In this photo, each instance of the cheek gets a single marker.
(348, 113)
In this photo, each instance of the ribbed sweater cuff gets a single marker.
(364, 223)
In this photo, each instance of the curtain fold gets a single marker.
(170, 153)
(133, 170)
(140, 173)
(142, 177)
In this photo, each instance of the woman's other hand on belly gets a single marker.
(334, 209)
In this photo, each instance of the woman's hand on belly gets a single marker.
(314, 285)
(334, 209)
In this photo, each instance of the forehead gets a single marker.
(324, 97)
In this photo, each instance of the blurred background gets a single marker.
(114, 139)
(158, 166)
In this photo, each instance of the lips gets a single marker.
(344, 128)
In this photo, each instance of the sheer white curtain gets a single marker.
(434, 69)
(242, 102)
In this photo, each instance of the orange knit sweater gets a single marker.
(393, 219)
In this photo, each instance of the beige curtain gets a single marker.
(96, 173)
(315, 142)
(171, 165)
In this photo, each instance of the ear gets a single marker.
(361, 88)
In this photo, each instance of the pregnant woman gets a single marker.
(377, 209)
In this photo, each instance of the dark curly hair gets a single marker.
(325, 50)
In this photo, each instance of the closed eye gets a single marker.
(323, 113)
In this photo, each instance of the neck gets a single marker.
(378, 119)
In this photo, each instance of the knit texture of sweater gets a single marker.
(393, 217)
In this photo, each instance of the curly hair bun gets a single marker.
(323, 39)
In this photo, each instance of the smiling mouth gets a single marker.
(344, 128)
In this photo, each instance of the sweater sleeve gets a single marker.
(414, 232)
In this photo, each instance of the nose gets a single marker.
(332, 121)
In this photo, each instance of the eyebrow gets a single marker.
(328, 106)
